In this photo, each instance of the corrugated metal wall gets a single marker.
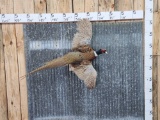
(57, 94)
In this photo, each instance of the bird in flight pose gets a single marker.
(80, 59)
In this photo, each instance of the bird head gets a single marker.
(104, 51)
(101, 51)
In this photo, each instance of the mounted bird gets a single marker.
(80, 59)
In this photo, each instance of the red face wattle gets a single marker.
(103, 50)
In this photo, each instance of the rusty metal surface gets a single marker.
(57, 94)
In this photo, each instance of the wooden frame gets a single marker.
(13, 92)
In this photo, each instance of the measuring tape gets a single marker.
(68, 17)
(148, 58)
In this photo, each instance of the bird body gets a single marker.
(80, 59)
(69, 58)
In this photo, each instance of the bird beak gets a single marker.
(106, 52)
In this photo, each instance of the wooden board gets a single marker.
(11, 65)
(158, 78)
(28, 6)
(156, 88)
(40, 6)
(138, 4)
(91, 5)
(123, 5)
(154, 85)
(156, 61)
(18, 8)
(3, 92)
(156, 28)
(52, 6)
(78, 6)
(105, 5)
(59, 6)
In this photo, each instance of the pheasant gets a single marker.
(79, 60)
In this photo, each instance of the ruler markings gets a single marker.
(148, 58)
(44, 17)
(78, 16)
(68, 17)
(7, 18)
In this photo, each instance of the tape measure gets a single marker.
(68, 17)
(148, 58)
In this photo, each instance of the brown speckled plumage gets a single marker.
(81, 42)
(71, 57)
(79, 60)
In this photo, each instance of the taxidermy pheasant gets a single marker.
(80, 59)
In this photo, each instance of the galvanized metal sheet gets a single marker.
(57, 94)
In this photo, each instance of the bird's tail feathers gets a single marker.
(51, 64)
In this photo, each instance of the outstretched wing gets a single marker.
(86, 73)
(83, 35)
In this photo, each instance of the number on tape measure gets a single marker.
(150, 22)
(44, 18)
(7, 18)
(3, 15)
(32, 17)
(126, 15)
(150, 33)
(148, 48)
(150, 90)
(68, 17)
(41, 18)
(15, 15)
(123, 16)
(148, 115)
(79, 16)
(150, 112)
(28, 15)
(99, 16)
(20, 18)
(16, 18)
(92, 16)
(56, 17)
(150, 101)
(149, 79)
(114, 15)
(53, 18)
(103, 16)
(137, 14)
(111, 16)
(150, 68)
(148, 83)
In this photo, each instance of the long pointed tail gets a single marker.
(51, 64)
(61, 61)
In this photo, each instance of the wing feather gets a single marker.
(83, 35)
(86, 73)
